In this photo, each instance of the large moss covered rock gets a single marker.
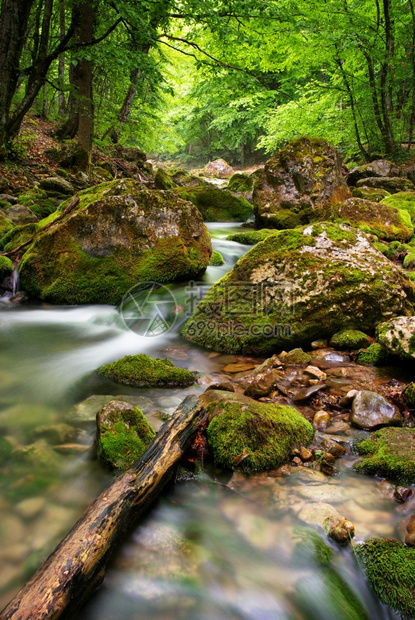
(141, 370)
(6, 267)
(240, 182)
(119, 234)
(250, 434)
(397, 336)
(370, 193)
(217, 205)
(123, 434)
(305, 173)
(297, 286)
(5, 225)
(380, 219)
(390, 453)
(390, 567)
(250, 237)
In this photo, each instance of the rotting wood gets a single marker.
(77, 565)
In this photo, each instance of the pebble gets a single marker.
(402, 494)
(321, 419)
(305, 454)
(315, 372)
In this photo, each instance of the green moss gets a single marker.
(240, 182)
(349, 339)
(409, 395)
(284, 218)
(17, 236)
(378, 219)
(5, 226)
(217, 205)
(390, 567)
(163, 180)
(409, 260)
(370, 193)
(374, 355)
(411, 276)
(126, 439)
(38, 201)
(141, 370)
(6, 267)
(6, 449)
(402, 200)
(390, 453)
(267, 433)
(250, 237)
(216, 259)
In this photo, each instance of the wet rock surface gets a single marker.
(371, 411)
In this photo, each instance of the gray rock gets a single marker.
(57, 184)
(19, 214)
(397, 336)
(86, 411)
(391, 184)
(9, 198)
(378, 168)
(370, 411)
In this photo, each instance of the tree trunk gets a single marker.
(13, 23)
(77, 565)
(125, 110)
(86, 106)
(61, 64)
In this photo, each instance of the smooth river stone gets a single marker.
(370, 411)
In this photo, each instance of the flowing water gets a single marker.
(223, 546)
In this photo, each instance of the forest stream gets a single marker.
(216, 546)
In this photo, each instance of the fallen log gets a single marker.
(77, 565)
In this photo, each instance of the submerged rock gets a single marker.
(390, 453)
(141, 371)
(390, 567)
(397, 336)
(371, 411)
(123, 434)
(119, 234)
(298, 286)
(253, 435)
(305, 173)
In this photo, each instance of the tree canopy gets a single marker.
(207, 78)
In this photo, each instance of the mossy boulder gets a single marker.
(57, 185)
(305, 173)
(379, 219)
(163, 180)
(377, 168)
(402, 200)
(39, 202)
(409, 260)
(217, 205)
(119, 234)
(240, 182)
(6, 267)
(142, 371)
(349, 339)
(216, 259)
(250, 237)
(5, 225)
(392, 184)
(373, 355)
(390, 567)
(123, 434)
(397, 336)
(185, 179)
(298, 286)
(370, 193)
(390, 453)
(243, 432)
(16, 236)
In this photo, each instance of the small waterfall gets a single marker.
(14, 278)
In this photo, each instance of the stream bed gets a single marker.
(221, 546)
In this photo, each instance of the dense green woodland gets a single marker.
(206, 78)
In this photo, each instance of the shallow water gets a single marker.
(221, 547)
